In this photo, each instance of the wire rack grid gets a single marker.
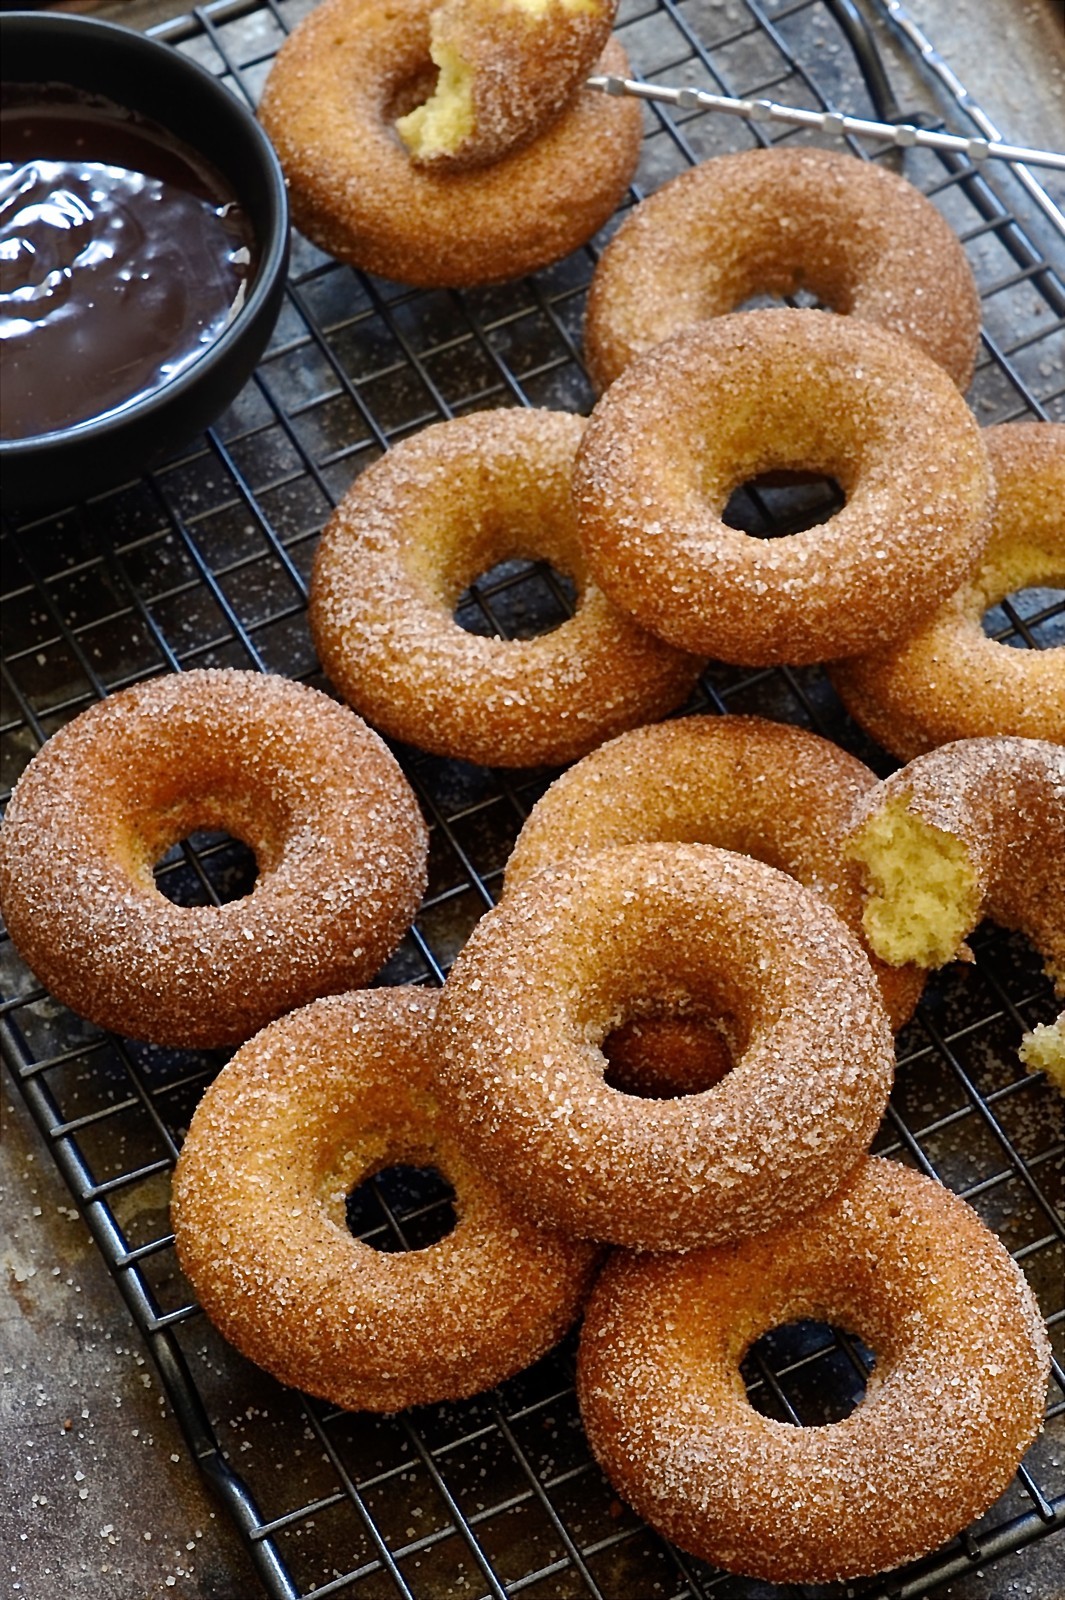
(205, 562)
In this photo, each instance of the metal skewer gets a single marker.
(832, 122)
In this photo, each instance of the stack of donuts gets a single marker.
(654, 1073)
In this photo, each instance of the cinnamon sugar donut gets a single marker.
(722, 402)
(764, 789)
(570, 954)
(339, 844)
(507, 69)
(971, 829)
(329, 105)
(956, 1395)
(304, 1113)
(948, 680)
(441, 507)
(862, 239)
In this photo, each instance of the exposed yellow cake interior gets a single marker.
(1043, 1050)
(446, 119)
(923, 892)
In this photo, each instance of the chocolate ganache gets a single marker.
(123, 256)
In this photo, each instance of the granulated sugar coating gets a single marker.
(329, 105)
(571, 954)
(763, 789)
(415, 528)
(307, 1110)
(956, 1396)
(339, 843)
(948, 680)
(759, 391)
(860, 238)
(506, 72)
(970, 830)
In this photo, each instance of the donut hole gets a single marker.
(775, 504)
(517, 599)
(807, 1373)
(411, 92)
(802, 298)
(659, 1057)
(206, 868)
(1028, 616)
(401, 1207)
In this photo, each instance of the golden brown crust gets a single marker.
(948, 680)
(722, 402)
(1004, 800)
(764, 789)
(957, 1394)
(526, 61)
(339, 843)
(435, 512)
(568, 956)
(304, 1113)
(858, 236)
(328, 106)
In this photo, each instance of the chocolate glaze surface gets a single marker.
(123, 256)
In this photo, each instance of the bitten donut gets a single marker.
(549, 973)
(507, 69)
(971, 829)
(415, 528)
(948, 680)
(330, 103)
(860, 238)
(968, 830)
(339, 844)
(763, 789)
(956, 1395)
(722, 402)
(304, 1113)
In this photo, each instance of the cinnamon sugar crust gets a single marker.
(956, 1395)
(856, 235)
(339, 843)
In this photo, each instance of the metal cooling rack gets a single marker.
(205, 563)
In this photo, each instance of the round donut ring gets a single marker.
(722, 402)
(956, 1396)
(968, 830)
(307, 1110)
(506, 72)
(329, 106)
(440, 508)
(549, 973)
(339, 843)
(862, 239)
(763, 789)
(948, 680)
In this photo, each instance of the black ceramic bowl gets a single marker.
(155, 80)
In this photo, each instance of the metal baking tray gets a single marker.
(205, 562)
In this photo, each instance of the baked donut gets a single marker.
(724, 401)
(549, 973)
(859, 237)
(339, 844)
(956, 1395)
(948, 680)
(441, 507)
(764, 789)
(507, 69)
(334, 92)
(310, 1108)
(968, 830)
